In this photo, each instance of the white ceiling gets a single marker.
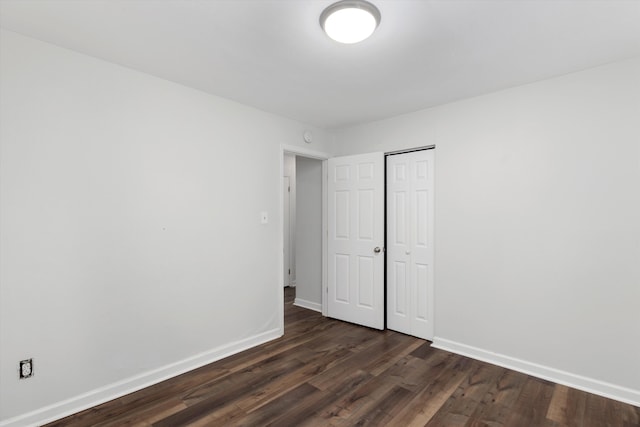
(272, 54)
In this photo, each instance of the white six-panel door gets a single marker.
(410, 255)
(356, 239)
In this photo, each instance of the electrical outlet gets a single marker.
(26, 369)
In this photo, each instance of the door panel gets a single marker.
(422, 291)
(342, 215)
(341, 278)
(356, 228)
(397, 300)
(410, 195)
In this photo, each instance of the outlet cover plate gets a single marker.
(26, 369)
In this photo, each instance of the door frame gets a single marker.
(311, 154)
(286, 231)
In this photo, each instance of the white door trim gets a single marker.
(312, 154)
(304, 152)
(286, 230)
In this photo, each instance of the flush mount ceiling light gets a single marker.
(350, 21)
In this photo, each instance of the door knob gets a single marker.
(407, 252)
(377, 249)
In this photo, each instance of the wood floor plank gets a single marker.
(226, 394)
(567, 406)
(324, 372)
(314, 405)
(423, 351)
(594, 412)
(146, 417)
(432, 397)
(496, 405)
(356, 403)
(533, 402)
(267, 414)
(394, 355)
(389, 406)
(378, 343)
(301, 375)
(414, 374)
(462, 404)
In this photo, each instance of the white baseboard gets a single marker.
(579, 382)
(113, 391)
(308, 304)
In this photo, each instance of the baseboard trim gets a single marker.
(113, 391)
(590, 385)
(308, 304)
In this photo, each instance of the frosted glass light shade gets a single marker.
(350, 21)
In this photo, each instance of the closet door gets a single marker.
(410, 211)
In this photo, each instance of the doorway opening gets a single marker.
(303, 173)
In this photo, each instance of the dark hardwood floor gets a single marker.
(324, 372)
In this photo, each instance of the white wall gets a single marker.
(131, 241)
(289, 170)
(537, 224)
(309, 233)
